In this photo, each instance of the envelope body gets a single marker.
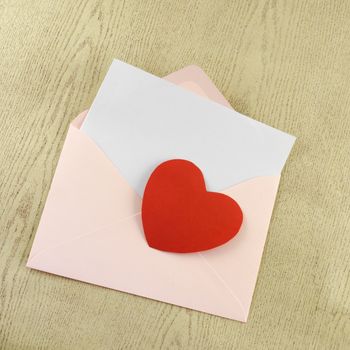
(91, 231)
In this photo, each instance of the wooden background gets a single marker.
(286, 63)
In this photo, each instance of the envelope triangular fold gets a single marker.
(79, 199)
(238, 261)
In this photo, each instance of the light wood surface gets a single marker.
(286, 63)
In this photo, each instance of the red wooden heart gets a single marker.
(179, 215)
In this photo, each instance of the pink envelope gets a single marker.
(90, 230)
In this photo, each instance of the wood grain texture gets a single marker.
(286, 63)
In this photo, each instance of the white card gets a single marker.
(140, 120)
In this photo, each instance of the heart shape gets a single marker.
(180, 215)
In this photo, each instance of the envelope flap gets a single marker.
(194, 79)
(168, 122)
